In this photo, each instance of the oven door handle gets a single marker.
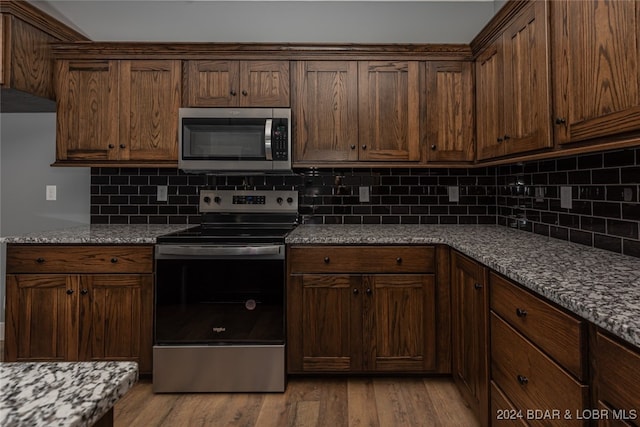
(226, 250)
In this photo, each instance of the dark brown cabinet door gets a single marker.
(449, 112)
(150, 93)
(87, 110)
(527, 110)
(324, 323)
(326, 111)
(228, 83)
(399, 323)
(470, 331)
(116, 319)
(389, 110)
(489, 101)
(596, 67)
(41, 317)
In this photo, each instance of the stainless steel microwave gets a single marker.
(227, 140)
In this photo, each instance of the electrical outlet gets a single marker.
(51, 192)
(363, 193)
(162, 193)
(454, 194)
(566, 199)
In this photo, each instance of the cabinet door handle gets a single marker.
(507, 137)
(521, 312)
(356, 291)
(69, 291)
(364, 147)
(353, 146)
(327, 260)
(84, 291)
(477, 286)
(434, 147)
(500, 140)
(561, 121)
(245, 93)
(40, 260)
(114, 260)
(111, 146)
(369, 291)
(232, 93)
(399, 260)
(123, 146)
(522, 380)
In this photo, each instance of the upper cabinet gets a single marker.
(113, 112)
(449, 112)
(236, 83)
(513, 87)
(360, 111)
(596, 68)
(26, 65)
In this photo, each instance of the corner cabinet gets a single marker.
(596, 67)
(470, 333)
(356, 111)
(449, 112)
(366, 309)
(513, 87)
(117, 112)
(223, 83)
(69, 303)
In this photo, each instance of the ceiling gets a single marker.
(359, 21)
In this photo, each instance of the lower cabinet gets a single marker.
(538, 359)
(365, 309)
(617, 381)
(53, 314)
(469, 321)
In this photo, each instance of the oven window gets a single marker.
(209, 301)
(217, 139)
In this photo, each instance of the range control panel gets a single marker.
(222, 201)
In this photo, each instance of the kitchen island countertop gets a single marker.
(600, 286)
(66, 394)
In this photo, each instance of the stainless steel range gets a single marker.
(219, 296)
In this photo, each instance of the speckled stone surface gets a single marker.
(600, 286)
(97, 234)
(70, 394)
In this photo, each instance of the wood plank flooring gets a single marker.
(307, 402)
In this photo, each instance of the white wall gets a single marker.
(27, 149)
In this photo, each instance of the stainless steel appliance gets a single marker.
(235, 140)
(219, 296)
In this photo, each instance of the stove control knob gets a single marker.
(289, 200)
(279, 200)
(207, 199)
(217, 199)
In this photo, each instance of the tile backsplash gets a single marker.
(605, 189)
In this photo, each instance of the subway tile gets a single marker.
(605, 176)
(631, 248)
(608, 243)
(620, 228)
(581, 237)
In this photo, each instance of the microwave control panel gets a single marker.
(279, 143)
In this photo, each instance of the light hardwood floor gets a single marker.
(314, 402)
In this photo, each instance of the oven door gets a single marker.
(219, 294)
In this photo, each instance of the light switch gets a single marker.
(51, 192)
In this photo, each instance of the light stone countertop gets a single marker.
(64, 394)
(98, 234)
(600, 286)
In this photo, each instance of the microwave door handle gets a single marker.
(267, 139)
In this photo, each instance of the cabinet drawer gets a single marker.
(559, 334)
(530, 378)
(618, 375)
(362, 259)
(503, 412)
(79, 259)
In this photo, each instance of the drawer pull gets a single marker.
(521, 313)
(327, 260)
(40, 260)
(399, 260)
(522, 379)
(114, 260)
(69, 291)
(477, 285)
